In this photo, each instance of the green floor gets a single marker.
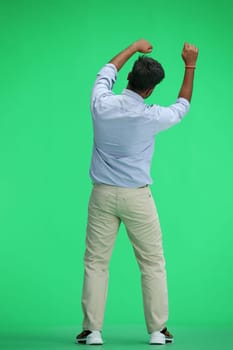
(118, 337)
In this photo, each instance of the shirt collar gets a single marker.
(133, 94)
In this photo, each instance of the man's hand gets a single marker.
(189, 54)
(143, 46)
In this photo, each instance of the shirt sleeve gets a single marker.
(165, 117)
(104, 83)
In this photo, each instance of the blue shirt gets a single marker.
(124, 132)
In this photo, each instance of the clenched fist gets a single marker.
(189, 54)
(143, 46)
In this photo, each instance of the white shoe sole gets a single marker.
(161, 341)
(89, 342)
(94, 340)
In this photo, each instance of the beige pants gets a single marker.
(135, 207)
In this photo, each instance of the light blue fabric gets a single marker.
(124, 132)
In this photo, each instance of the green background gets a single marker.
(50, 54)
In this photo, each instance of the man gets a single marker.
(124, 134)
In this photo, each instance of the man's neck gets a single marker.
(141, 93)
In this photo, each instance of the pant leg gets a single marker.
(102, 228)
(140, 217)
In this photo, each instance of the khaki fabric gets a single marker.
(135, 207)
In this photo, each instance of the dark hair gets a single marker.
(146, 73)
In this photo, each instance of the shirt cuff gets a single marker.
(184, 101)
(111, 65)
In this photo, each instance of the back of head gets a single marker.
(146, 73)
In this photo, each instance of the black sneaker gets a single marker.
(161, 337)
(89, 338)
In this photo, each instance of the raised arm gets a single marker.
(189, 55)
(108, 74)
(142, 46)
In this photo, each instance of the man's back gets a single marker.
(124, 132)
